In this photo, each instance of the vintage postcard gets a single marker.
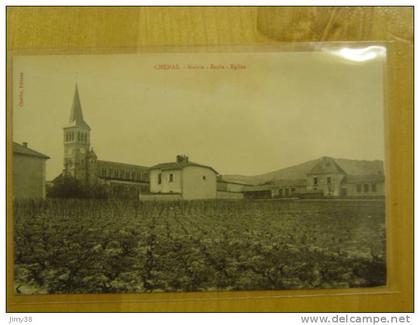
(199, 171)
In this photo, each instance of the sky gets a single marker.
(280, 109)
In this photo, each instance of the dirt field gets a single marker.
(93, 246)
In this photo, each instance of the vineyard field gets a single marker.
(109, 246)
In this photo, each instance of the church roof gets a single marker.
(113, 164)
(326, 165)
(24, 150)
(179, 165)
(76, 114)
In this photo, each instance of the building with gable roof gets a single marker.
(184, 179)
(329, 179)
(326, 177)
(28, 172)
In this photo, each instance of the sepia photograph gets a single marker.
(201, 170)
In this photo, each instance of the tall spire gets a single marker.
(76, 115)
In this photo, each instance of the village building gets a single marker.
(276, 189)
(230, 190)
(182, 179)
(28, 172)
(263, 191)
(364, 185)
(288, 188)
(331, 180)
(327, 179)
(228, 186)
(82, 163)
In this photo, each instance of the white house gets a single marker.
(183, 180)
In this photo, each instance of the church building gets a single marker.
(82, 163)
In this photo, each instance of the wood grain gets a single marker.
(133, 29)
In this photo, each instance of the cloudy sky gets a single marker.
(282, 109)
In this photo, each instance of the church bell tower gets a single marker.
(76, 142)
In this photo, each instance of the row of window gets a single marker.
(361, 188)
(112, 172)
(69, 163)
(286, 191)
(171, 178)
(81, 137)
(366, 188)
(120, 173)
(316, 180)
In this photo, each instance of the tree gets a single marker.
(70, 187)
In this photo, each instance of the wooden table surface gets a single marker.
(134, 29)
